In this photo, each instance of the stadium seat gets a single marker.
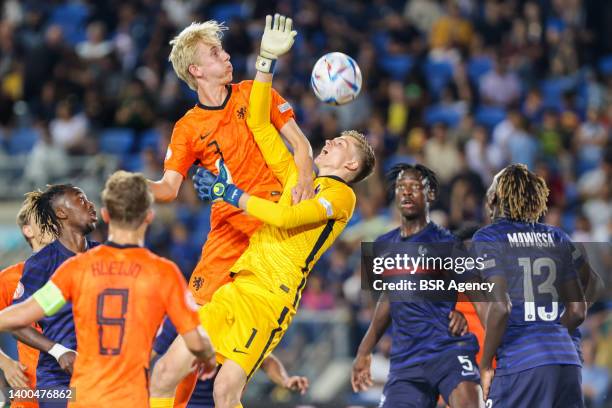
(477, 67)
(437, 75)
(605, 65)
(395, 160)
(489, 116)
(228, 12)
(72, 18)
(380, 40)
(132, 162)
(553, 90)
(22, 141)
(397, 66)
(116, 141)
(446, 115)
(150, 139)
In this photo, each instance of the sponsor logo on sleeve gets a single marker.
(284, 107)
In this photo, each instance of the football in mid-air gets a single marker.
(336, 78)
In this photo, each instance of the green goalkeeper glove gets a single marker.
(277, 39)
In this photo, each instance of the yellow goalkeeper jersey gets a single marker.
(283, 251)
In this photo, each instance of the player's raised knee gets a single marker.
(164, 379)
(226, 395)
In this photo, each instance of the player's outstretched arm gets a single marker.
(277, 39)
(20, 315)
(272, 147)
(45, 302)
(275, 370)
(166, 189)
(361, 377)
(331, 205)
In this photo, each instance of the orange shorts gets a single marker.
(223, 247)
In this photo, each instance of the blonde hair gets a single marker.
(184, 47)
(522, 194)
(127, 198)
(27, 208)
(27, 211)
(368, 159)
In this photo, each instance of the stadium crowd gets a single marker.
(462, 86)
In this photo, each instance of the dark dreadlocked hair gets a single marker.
(426, 173)
(521, 193)
(43, 208)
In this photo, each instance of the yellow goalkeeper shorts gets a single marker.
(245, 322)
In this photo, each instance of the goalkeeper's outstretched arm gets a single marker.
(277, 39)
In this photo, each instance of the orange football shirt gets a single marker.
(205, 134)
(120, 295)
(28, 356)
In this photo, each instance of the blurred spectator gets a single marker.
(47, 161)
(523, 147)
(595, 379)
(451, 29)
(96, 45)
(423, 13)
(491, 26)
(69, 129)
(441, 154)
(582, 232)
(501, 85)
(549, 135)
(598, 210)
(369, 227)
(480, 155)
(502, 133)
(136, 108)
(591, 139)
(316, 296)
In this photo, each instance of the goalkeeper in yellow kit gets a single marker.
(247, 318)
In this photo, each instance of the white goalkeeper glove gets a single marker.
(277, 39)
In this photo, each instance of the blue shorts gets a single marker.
(202, 396)
(549, 386)
(419, 386)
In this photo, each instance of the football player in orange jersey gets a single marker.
(216, 128)
(22, 373)
(118, 303)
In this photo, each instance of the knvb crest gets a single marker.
(241, 113)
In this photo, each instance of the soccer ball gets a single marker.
(336, 78)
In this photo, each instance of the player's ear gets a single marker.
(105, 215)
(352, 165)
(431, 195)
(27, 231)
(492, 200)
(150, 216)
(194, 70)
